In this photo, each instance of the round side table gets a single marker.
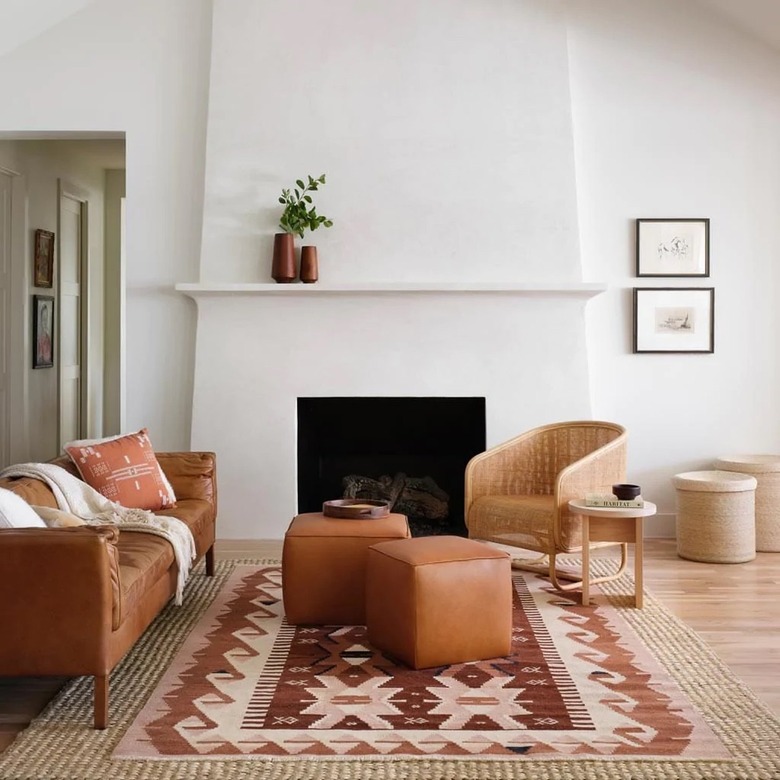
(607, 524)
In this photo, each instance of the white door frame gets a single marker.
(19, 338)
(69, 190)
(114, 367)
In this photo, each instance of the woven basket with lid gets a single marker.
(716, 516)
(766, 470)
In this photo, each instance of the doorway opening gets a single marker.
(65, 180)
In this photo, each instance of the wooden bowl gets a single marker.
(356, 508)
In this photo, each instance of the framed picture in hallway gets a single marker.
(43, 259)
(674, 319)
(43, 331)
(672, 247)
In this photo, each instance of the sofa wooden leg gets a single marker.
(101, 701)
(210, 561)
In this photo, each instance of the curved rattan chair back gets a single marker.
(518, 492)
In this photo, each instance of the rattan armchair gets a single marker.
(518, 492)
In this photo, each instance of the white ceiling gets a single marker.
(22, 20)
(760, 18)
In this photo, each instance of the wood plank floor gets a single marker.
(734, 607)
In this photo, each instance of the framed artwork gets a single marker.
(43, 259)
(43, 331)
(674, 319)
(672, 247)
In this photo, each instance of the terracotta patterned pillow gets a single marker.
(124, 469)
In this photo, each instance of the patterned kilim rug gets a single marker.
(224, 688)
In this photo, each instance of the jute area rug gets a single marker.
(223, 688)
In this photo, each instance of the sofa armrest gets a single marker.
(191, 474)
(59, 599)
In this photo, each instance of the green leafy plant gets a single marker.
(300, 214)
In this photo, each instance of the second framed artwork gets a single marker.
(673, 247)
(43, 331)
(674, 319)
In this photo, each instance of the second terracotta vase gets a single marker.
(283, 268)
(309, 269)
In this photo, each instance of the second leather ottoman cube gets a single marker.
(324, 566)
(438, 600)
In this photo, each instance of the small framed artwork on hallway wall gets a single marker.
(673, 247)
(674, 319)
(43, 259)
(43, 331)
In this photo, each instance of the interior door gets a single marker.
(72, 314)
(5, 314)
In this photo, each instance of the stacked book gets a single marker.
(613, 503)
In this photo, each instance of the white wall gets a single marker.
(678, 115)
(42, 164)
(21, 20)
(674, 114)
(416, 111)
(139, 67)
(444, 127)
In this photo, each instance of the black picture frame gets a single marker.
(673, 247)
(43, 259)
(674, 319)
(43, 331)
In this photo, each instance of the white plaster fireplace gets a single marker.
(261, 347)
(453, 266)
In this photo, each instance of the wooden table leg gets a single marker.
(639, 564)
(585, 560)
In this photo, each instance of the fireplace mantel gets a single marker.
(573, 289)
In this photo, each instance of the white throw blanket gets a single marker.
(75, 496)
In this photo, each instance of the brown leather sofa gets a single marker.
(73, 601)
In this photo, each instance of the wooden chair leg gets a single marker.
(210, 561)
(101, 701)
(575, 581)
(546, 565)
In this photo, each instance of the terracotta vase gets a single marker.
(283, 267)
(309, 268)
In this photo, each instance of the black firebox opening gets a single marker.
(415, 448)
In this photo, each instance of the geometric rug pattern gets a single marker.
(577, 682)
(632, 693)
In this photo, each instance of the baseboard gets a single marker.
(661, 526)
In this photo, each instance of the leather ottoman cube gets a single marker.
(438, 600)
(324, 566)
